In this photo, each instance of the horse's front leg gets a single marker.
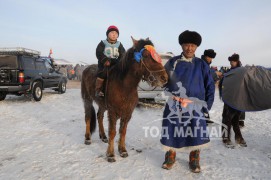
(112, 133)
(100, 116)
(122, 132)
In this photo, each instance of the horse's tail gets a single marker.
(90, 114)
(92, 120)
(88, 102)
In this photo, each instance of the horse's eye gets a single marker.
(146, 54)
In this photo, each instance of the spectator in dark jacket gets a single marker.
(208, 56)
(229, 114)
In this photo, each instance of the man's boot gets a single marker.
(169, 159)
(98, 87)
(194, 161)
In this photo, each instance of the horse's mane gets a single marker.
(120, 70)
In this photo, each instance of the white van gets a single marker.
(147, 92)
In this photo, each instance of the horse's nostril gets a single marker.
(151, 78)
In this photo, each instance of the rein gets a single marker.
(151, 77)
(106, 86)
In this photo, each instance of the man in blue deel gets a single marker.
(191, 89)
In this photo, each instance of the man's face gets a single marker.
(233, 64)
(113, 36)
(208, 59)
(189, 50)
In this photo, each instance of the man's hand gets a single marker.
(107, 63)
(219, 74)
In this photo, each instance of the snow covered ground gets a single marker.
(45, 140)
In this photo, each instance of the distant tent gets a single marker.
(247, 88)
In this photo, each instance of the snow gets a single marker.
(45, 140)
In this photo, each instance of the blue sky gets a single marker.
(73, 28)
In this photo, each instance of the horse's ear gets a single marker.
(147, 39)
(134, 41)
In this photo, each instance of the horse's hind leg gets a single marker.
(100, 116)
(87, 134)
(238, 135)
(122, 132)
(90, 119)
(112, 133)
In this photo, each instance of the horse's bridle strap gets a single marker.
(142, 62)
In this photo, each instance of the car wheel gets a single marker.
(37, 91)
(62, 87)
(2, 95)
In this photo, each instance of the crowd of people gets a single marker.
(72, 72)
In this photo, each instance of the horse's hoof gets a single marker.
(105, 140)
(87, 142)
(111, 159)
(123, 154)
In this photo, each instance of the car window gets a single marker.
(7, 61)
(48, 65)
(40, 65)
(28, 63)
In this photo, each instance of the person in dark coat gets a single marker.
(229, 114)
(208, 56)
(191, 92)
(235, 62)
(108, 53)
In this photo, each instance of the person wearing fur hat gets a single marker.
(235, 61)
(108, 53)
(230, 114)
(208, 56)
(191, 89)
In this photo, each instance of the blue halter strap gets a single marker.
(138, 55)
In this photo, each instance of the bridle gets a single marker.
(151, 78)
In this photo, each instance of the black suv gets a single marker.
(24, 71)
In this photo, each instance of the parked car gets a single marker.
(24, 71)
(147, 92)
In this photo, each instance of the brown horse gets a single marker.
(121, 95)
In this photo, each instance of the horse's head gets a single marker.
(151, 65)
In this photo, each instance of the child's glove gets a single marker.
(107, 63)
